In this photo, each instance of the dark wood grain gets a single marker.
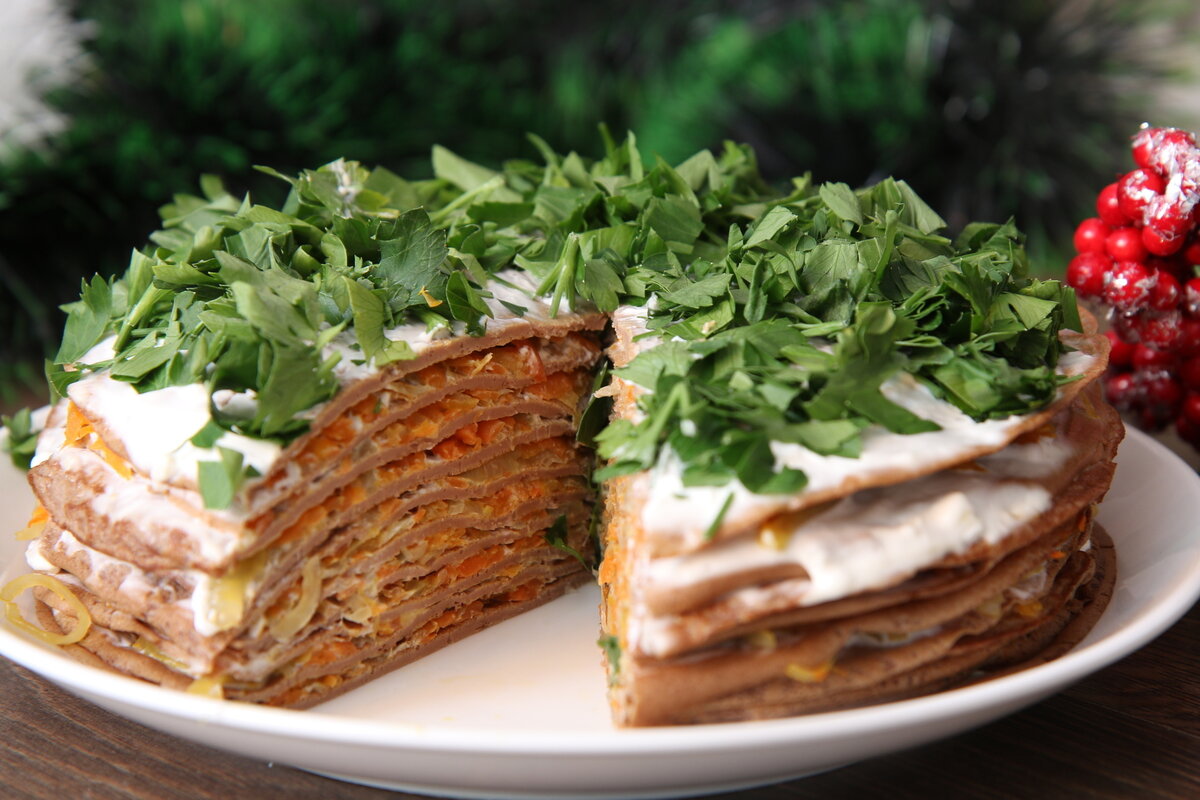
(1130, 731)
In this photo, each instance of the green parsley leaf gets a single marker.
(842, 201)
(21, 440)
(411, 260)
(556, 537)
(208, 435)
(676, 221)
(87, 320)
(369, 314)
(220, 480)
(612, 653)
(465, 303)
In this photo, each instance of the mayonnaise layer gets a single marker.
(155, 428)
(684, 514)
(866, 541)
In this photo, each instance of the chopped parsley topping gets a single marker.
(21, 441)
(780, 313)
(612, 651)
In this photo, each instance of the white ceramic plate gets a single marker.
(519, 710)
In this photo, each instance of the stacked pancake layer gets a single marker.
(428, 500)
(931, 560)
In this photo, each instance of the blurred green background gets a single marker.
(990, 109)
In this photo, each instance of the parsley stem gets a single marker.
(566, 274)
(487, 187)
(144, 305)
(715, 525)
(433, 321)
(891, 221)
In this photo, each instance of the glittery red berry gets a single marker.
(1145, 357)
(1125, 244)
(1135, 190)
(1191, 407)
(1191, 251)
(1127, 285)
(1189, 338)
(1170, 215)
(1191, 297)
(1166, 291)
(1143, 146)
(1161, 398)
(1187, 430)
(1168, 149)
(1108, 207)
(1121, 352)
(1160, 242)
(1086, 271)
(1160, 331)
(1189, 373)
(1090, 236)
(1121, 390)
(1172, 265)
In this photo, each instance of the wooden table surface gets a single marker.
(1129, 731)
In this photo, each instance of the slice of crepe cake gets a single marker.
(421, 504)
(925, 560)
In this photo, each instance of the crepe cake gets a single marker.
(931, 560)
(850, 458)
(414, 511)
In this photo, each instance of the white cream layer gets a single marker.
(155, 428)
(166, 510)
(866, 541)
(138, 586)
(684, 514)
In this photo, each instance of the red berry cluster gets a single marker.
(1139, 257)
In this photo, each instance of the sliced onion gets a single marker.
(149, 650)
(208, 687)
(802, 674)
(13, 589)
(290, 623)
(32, 532)
(777, 531)
(224, 603)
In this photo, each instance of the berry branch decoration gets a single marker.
(1140, 257)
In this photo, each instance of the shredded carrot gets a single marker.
(476, 563)
(523, 593)
(341, 430)
(355, 494)
(308, 521)
(489, 430)
(533, 361)
(1030, 610)
(450, 449)
(119, 465)
(608, 568)
(333, 651)
(555, 387)
(468, 434)
(78, 426)
(40, 514)
(1045, 431)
